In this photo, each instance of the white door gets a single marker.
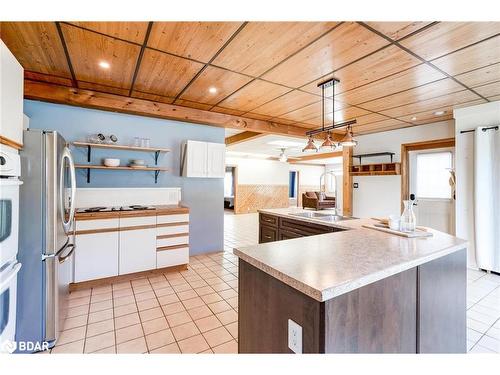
(196, 159)
(216, 160)
(96, 256)
(137, 250)
(430, 173)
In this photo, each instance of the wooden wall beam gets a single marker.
(117, 103)
(316, 156)
(242, 137)
(347, 181)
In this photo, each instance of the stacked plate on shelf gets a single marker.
(137, 163)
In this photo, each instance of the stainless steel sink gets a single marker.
(321, 216)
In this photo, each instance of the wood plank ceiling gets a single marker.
(393, 74)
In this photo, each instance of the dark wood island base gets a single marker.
(420, 310)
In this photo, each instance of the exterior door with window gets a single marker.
(430, 183)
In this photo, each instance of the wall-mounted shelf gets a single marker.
(378, 169)
(89, 147)
(373, 155)
(88, 167)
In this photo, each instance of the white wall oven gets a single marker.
(9, 232)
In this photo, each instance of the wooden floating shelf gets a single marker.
(88, 167)
(378, 169)
(120, 147)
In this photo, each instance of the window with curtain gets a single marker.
(433, 175)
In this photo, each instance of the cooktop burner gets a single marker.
(134, 207)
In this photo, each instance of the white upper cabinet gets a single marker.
(204, 159)
(195, 162)
(216, 160)
(11, 96)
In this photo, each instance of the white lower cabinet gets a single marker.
(137, 250)
(167, 258)
(118, 246)
(96, 256)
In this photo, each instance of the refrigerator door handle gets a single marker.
(4, 284)
(61, 258)
(66, 154)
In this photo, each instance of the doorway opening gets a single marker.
(230, 184)
(293, 188)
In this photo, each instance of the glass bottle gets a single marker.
(408, 219)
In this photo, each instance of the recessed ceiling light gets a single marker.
(414, 118)
(439, 113)
(212, 90)
(104, 64)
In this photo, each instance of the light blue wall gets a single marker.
(204, 196)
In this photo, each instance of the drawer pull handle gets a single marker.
(268, 237)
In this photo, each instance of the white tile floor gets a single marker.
(195, 311)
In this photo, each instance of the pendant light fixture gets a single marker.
(347, 140)
(310, 147)
(328, 143)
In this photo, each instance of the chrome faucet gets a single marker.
(335, 182)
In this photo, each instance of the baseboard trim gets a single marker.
(126, 277)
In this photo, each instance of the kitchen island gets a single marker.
(351, 289)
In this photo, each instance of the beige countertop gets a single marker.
(328, 265)
(165, 209)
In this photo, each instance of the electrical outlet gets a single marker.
(294, 337)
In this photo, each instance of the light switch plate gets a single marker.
(294, 337)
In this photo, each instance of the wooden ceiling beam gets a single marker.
(117, 103)
(324, 155)
(242, 137)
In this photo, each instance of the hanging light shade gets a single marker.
(328, 143)
(348, 139)
(310, 147)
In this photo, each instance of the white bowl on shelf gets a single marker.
(138, 162)
(108, 162)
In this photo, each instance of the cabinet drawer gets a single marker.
(267, 234)
(137, 221)
(97, 224)
(174, 257)
(172, 229)
(306, 229)
(287, 235)
(268, 220)
(178, 218)
(171, 241)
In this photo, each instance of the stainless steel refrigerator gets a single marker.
(46, 243)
